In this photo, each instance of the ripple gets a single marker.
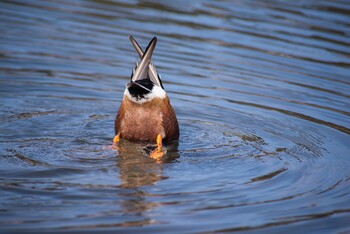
(260, 89)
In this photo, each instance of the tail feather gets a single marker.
(152, 72)
(141, 71)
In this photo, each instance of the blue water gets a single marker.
(261, 90)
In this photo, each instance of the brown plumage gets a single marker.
(145, 113)
(143, 122)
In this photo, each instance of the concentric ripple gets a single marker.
(262, 94)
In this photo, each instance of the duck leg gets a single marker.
(158, 153)
(116, 138)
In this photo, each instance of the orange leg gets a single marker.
(158, 153)
(116, 138)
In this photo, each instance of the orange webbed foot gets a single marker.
(116, 139)
(158, 153)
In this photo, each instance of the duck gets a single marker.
(145, 113)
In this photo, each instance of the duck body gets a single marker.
(145, 120)
(146, 114)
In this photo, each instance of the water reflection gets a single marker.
(137, 171)
(261, 91)
(136, 168)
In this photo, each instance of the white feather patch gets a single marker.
(157, 92)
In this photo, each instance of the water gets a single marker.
(262, 94)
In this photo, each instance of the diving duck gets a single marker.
(145, 113)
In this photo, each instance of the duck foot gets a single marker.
(158, 153)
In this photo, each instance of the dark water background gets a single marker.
(261, 90)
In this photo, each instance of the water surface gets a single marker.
(261, 91)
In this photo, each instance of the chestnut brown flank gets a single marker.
(143, 122)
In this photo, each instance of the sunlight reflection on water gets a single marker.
(261, 91)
